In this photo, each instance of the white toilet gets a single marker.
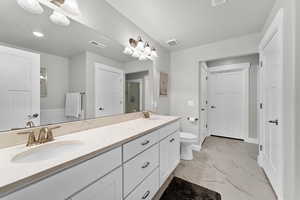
(186, 142)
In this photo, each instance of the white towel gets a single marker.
(73, 105)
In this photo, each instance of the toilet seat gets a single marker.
(188, 137)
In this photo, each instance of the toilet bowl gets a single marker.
(186, 142)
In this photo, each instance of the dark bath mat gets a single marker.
(180, 189)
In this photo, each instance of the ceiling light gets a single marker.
(140, 44)
(71, 6)
(32, 6)
(38, 34)
(59, 19)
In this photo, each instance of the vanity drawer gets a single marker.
(135, 147)
(147, 189)
(72, 180)
(137, 169)
(168, 130)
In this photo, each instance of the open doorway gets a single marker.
(135, 91)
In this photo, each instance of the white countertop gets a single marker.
(94, 140)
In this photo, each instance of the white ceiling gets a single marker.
(195, 22)
(17, 26)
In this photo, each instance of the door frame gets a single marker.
(203, 66)
(140, 81)
(276, 27)
(244, 67)
(110, 69)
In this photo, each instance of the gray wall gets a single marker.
(58, 81)
(185, 74)
(254, 61)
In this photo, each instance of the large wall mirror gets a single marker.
(52, 74)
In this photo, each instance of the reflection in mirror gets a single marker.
(56, 74)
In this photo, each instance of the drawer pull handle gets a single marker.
(146, 142)
(146, 195)
(172, 140)
(146, 165)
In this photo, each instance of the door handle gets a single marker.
(213, 107)
(276, 122)
(33, 116)
(145, 143)
(202, 109)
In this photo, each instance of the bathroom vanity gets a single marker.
(129, 160)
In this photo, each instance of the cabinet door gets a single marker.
(169, 156)
(109, 188)
(174, 151)
(164, 160)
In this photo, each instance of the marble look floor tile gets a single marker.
(228, 167)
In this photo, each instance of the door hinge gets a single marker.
(260, 147)
(206, 102)
(206, 126)
(261, 105)
(206, 78)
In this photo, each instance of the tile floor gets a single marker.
(228, 167)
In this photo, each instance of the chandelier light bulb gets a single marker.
(71, 6)
(128, 51)
(32, 6)
(147, 49)
(59, 19)
(154, 53)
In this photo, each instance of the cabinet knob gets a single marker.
(146, 165)
(172, 140)
(145, 142)
(146, 195)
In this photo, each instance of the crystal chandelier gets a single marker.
(140, 49)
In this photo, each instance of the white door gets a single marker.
(228, 100)
(272, 136)
(204, 103)
(109, 188)
(109, 91)
(19, 88)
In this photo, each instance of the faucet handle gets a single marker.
(31, 139)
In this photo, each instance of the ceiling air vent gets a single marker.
(97, 44)
(216, 3)
(172, 42)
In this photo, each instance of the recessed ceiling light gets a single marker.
(172, 42)
(38, 34)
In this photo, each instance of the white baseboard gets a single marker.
(196, 147)
(251, 140)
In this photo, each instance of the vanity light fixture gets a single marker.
(63, 6)
(38, 34)
(140, 49)
(32, 6)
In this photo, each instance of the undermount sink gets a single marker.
(46, 151)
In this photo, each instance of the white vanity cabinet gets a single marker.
(169, 155)
(134, 170)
